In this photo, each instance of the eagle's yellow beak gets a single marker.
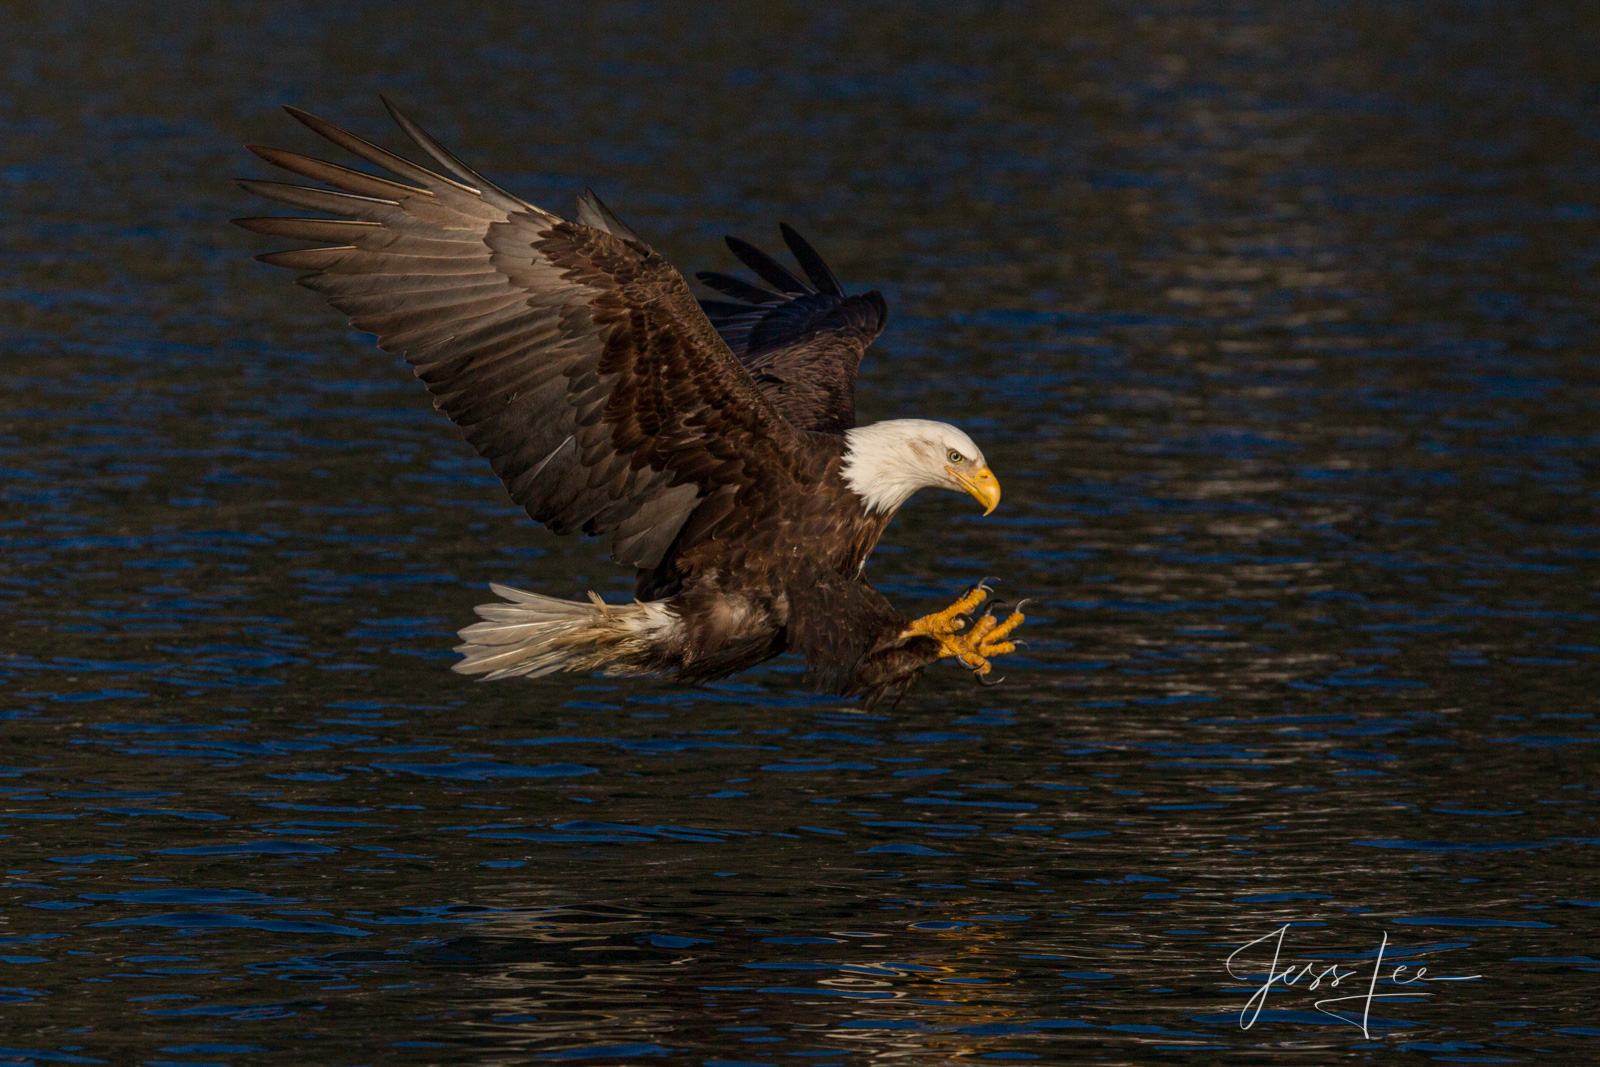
(983, 485)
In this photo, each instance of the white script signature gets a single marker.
(1331, 974)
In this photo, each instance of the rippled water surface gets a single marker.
(1278, 323)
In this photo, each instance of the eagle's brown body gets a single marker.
(793, 585)
(579, 365)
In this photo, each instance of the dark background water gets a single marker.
(1277, 322)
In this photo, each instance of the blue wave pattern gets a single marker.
(1281, 341)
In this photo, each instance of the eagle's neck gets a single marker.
(884, 464)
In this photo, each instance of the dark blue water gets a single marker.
(1277, 322)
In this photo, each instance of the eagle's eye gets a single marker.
(954, 457)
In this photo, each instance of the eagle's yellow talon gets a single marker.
(949, 620)
(987, 637)
(1003, 630)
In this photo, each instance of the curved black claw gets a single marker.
(988, 685)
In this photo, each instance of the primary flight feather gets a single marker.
(712, 443)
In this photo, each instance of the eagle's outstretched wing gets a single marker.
(574, 357)
(802, 343)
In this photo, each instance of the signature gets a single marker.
(1331, 974)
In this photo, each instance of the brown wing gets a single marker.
(576, 360)
(802, 343)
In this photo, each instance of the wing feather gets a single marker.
(360, 146)
(773, 272)
(476, 182)
(305, 258)
(738, 288)
(803, 345)
(593, 212)
(366, 208)
(320, 170)
(572, 356)
(815, 267)
(341, 231)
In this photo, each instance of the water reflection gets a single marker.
(1278, 339)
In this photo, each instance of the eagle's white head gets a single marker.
(886, 462)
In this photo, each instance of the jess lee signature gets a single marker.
(1332, 974)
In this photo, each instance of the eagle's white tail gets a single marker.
(537, 635)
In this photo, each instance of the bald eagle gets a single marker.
(712, 443)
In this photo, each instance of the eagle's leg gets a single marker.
(948, 621)
(987, 639)
(989, 635)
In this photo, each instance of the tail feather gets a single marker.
(532, 634)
